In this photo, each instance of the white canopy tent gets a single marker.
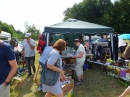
(121, 42)
(5, 35)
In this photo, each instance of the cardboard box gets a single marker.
(69, 94)
(118, 71)
(71, 61)
(68, 71)
(68, 89)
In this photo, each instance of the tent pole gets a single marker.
(112, 52)
(47, 41)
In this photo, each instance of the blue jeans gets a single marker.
(42, 65)
(30, 63)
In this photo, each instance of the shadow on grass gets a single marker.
(97, 84)
(27, 88)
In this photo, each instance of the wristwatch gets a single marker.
(7, 83)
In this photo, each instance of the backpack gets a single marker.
(41, 43)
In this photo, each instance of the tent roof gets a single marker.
(77, 26)
(5, 35)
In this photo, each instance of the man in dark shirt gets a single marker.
(8, 68)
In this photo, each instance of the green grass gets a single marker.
(98, 85)
(95, 84)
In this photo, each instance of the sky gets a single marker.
(41, 13)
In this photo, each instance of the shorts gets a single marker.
(4, 91)
(79, 68)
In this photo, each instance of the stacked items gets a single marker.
(118, 69)
(101, 51)
(69, 70)
(125, 74)
(69, 51)
(63, 82)
(124, 77)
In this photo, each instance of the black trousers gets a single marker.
(30, 63)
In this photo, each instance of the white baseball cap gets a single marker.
(27, 34)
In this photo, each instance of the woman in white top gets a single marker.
(80, 58)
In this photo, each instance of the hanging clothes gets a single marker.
(114, 47)
(41, 43)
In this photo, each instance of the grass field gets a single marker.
(95, 84)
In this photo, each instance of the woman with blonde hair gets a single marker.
(54, 56)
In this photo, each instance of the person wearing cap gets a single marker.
(8, 67)
(29, 53)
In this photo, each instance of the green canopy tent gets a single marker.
(74, 26)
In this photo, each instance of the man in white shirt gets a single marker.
(80, 59)
(29, 53)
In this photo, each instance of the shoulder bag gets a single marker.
(50, 77)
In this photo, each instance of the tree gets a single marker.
(88, 10)
(7, 28)
(102, 12)
(10, 29)
(32, 30)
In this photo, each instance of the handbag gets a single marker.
(50, 77)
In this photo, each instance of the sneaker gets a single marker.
(78, 83)
(82, 80)
(39, 89)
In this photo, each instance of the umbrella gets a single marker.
(125, 36)
(121, 42)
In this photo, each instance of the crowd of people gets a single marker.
(51, 54)
(49, 57)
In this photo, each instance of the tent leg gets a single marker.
(36, 80)
(47, 40)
